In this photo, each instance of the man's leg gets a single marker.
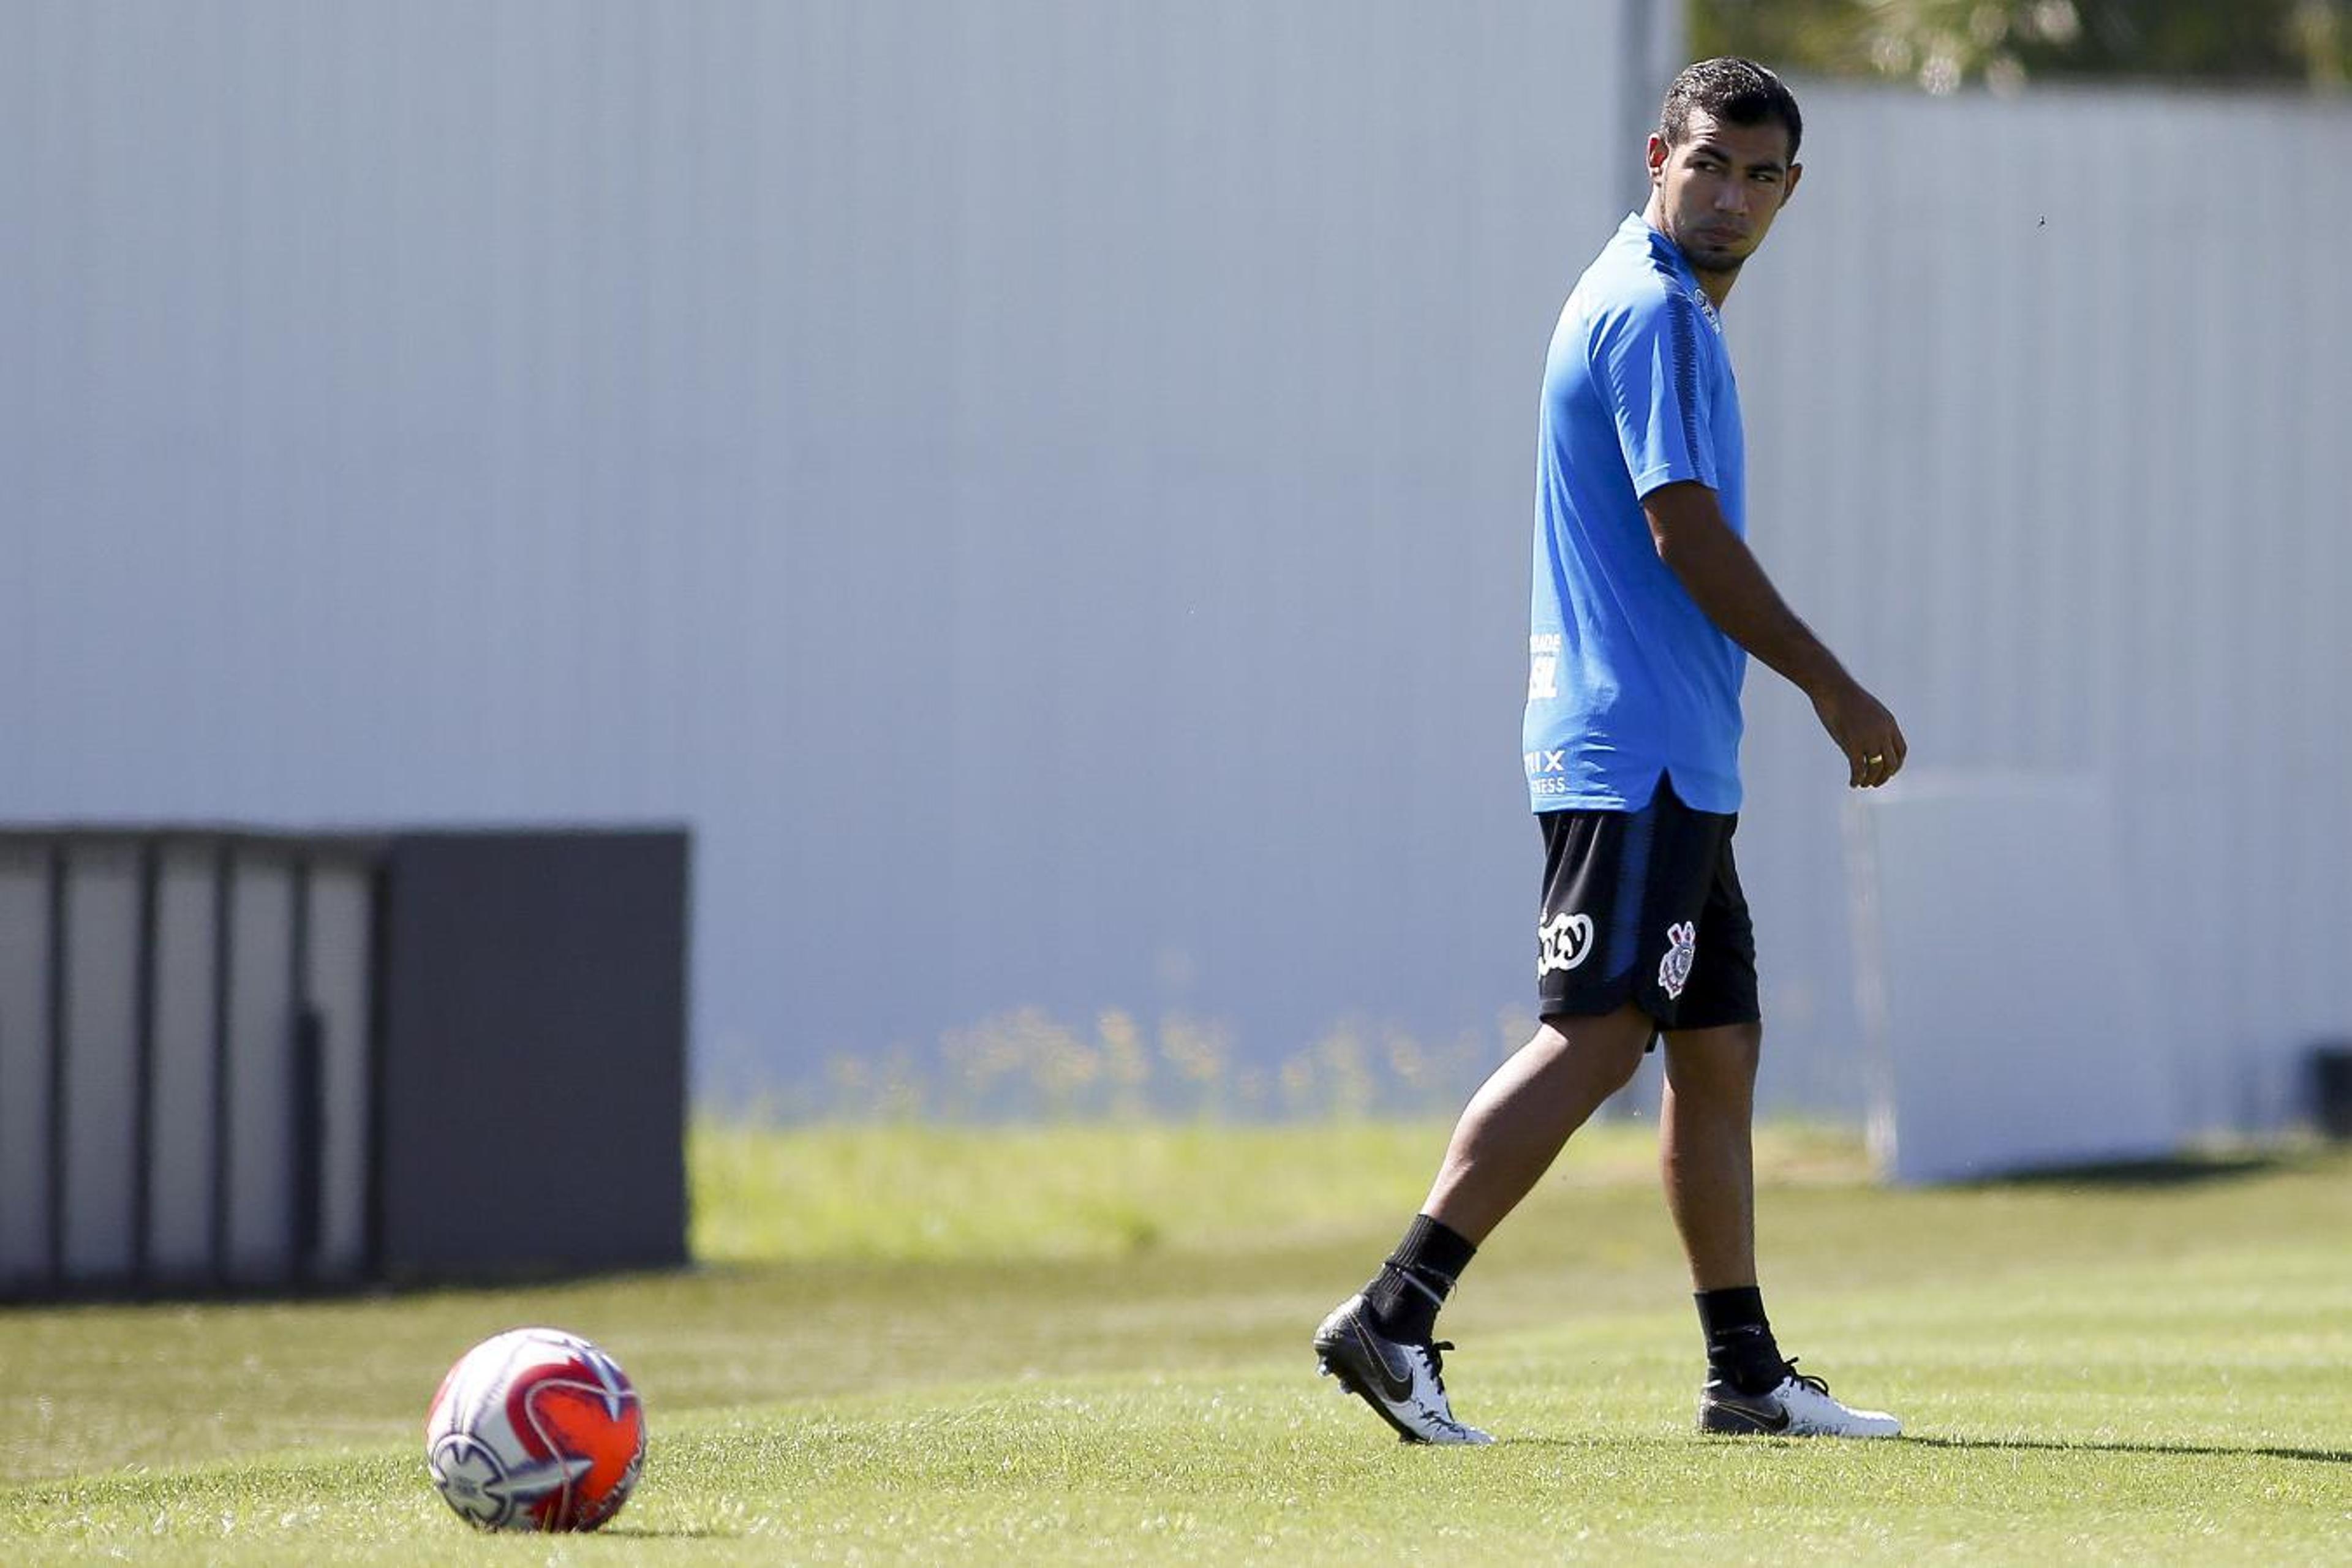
(1382, 1341)
(1522, 1116)
(1707, 1155)
(1705, 1152)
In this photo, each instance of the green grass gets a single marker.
(1088, 1345)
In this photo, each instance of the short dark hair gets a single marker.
(1739, 91)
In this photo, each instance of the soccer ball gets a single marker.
(535, 1429)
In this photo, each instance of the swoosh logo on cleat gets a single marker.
(1395, 1389)
(1776, 1423)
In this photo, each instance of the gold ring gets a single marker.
(1875, 758)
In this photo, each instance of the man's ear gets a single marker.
(1789, 185)
(1657, 156)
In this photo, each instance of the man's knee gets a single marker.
(1610, 1046)
(1724, 1054)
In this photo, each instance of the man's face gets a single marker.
(1719, 189)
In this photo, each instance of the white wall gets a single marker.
(1044, 487)
(2048, 406)
(1040, 486)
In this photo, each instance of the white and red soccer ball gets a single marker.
(535, 1429)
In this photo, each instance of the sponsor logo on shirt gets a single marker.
(1547, 771)
(1543, 666)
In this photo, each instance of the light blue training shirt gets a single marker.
(1627, 677)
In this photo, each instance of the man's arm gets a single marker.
(1719, 572)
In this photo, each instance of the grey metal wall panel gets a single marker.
(182, 1172)
(342, 935)
(259, 1245)
(533, 1097)
(24, 1058)
(100, 1239)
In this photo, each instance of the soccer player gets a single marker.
(1646, 606)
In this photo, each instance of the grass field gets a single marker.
(1088, 1345)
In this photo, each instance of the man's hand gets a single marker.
(1714, 567)
(1863, 730)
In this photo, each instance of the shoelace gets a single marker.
(1437, 1376)
(1807, 1378)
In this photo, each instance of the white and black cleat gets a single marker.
(1403, 1384)
(1801, 1406)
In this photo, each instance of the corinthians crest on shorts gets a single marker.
(1674, 969)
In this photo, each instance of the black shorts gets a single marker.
(1644, 907)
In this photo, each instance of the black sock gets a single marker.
(1739, 1345)
(1404, 1298)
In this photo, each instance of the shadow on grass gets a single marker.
(2181, 1171)
(681, 1532)
(2212, 1450)
(2021, 1445)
